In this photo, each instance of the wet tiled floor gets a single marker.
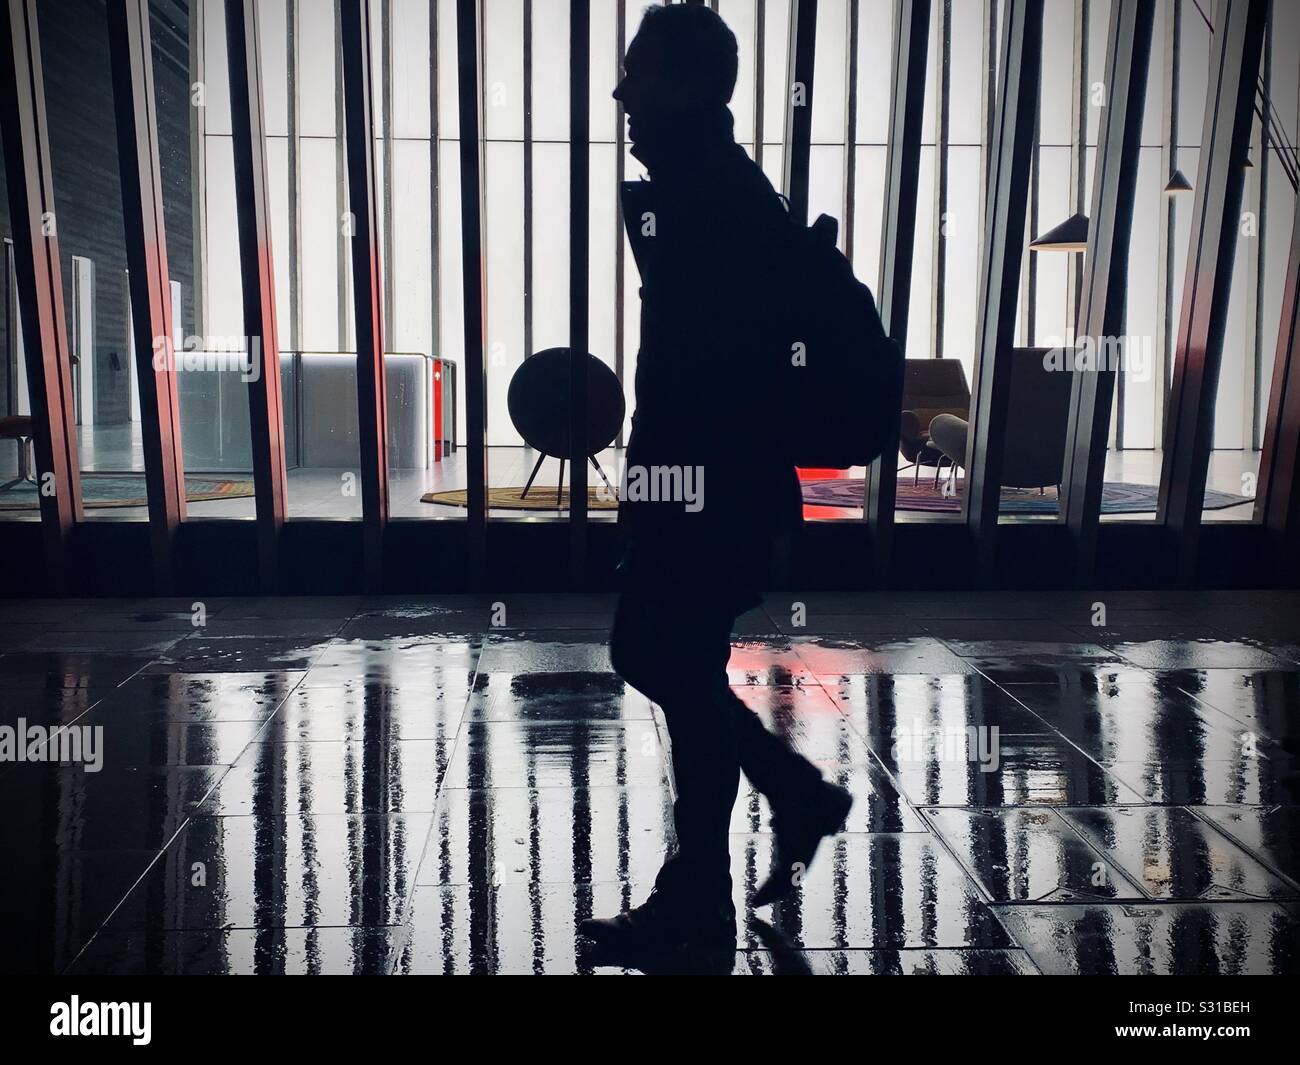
(400, 785)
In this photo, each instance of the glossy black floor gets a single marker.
(450, 785)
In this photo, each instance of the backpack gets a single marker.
(841, 379)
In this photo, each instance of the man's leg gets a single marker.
(672, 644)
(778, 772)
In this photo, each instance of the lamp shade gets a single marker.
(1070, 235)
(1177, 183)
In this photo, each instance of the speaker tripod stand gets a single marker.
(559, 488)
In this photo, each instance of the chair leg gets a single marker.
(537, 466)
(24, 467)
(602, 474)
(938, 469)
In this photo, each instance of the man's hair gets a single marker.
(697, 47)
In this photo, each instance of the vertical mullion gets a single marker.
(149, 280)
(1253, 385)
(1277, 501)
(1002, 253)
(257, 276)
(435, 191)
(340, 192)
(1078, 153)
(579, 266)
(528, 176)
(911, 39)
(1234, 66)
(1168, 219)
(942, 109)
(1029, 266)
(988, 92)
(294, 147)
(798, 113)
(620, 175)
(469, 107)
(851, 128)
(199, 166)
(39, 280)
(760, 72)
(388, 291)
(1105, 277)
(367, 282)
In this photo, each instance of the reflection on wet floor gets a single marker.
(385, 785)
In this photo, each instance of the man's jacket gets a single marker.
(709, 242)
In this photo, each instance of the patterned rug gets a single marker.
(127, 490)
(540, 497)
(1118, 497)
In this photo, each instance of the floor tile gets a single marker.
(853, 895)
(557, 697)
(831, 658)
(1175, 855)
(1026, 855)
(808, 720)
(880, 707)
(572, 754)
(957, 768)
(542, 651)
(272, 871)
(1136, 716)
(382, 774)
(449, 931)
(886, 963)
(550, 835)
(62, 898)
(1259, 701)
(118, 808)
(318, 951)
(1257, 781)
(1208, 939)
(877, 805)
(200, 698)
(1270, 833)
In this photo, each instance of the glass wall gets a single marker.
(88, 223)
(17, 461)
(525, 152)
(196, 158)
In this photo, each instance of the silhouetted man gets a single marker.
(708, 232)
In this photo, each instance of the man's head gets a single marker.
(680, 65)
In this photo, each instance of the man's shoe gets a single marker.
(798, 834)
(660, 927)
